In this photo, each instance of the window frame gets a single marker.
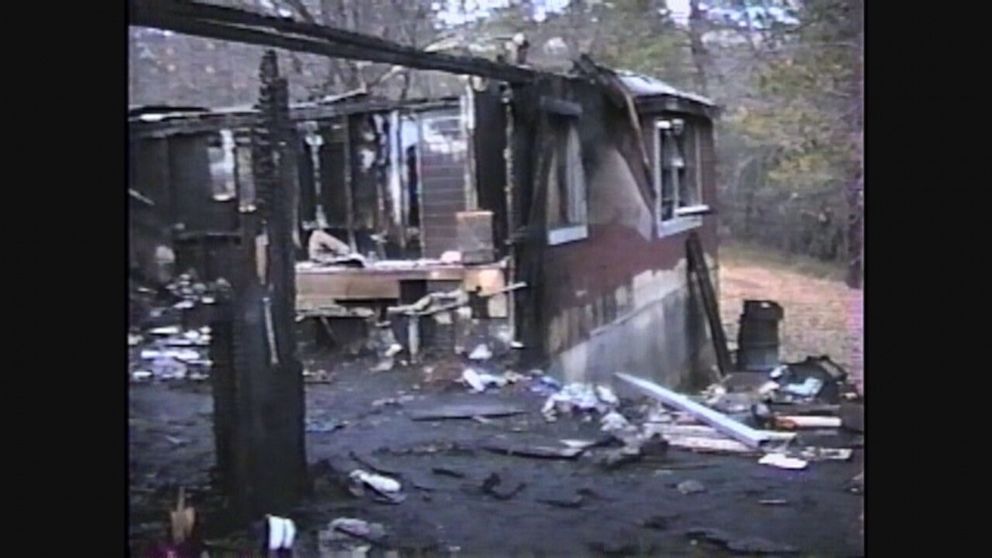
(565, 115)
(683, 218)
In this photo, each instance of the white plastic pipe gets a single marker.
(740, 432)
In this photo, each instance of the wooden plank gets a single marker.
(313, 288)
(707, 444)
(697, 266)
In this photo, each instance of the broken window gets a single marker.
(676, 173)
(222, 174)
(567, 209)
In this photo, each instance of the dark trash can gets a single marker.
(758, 338)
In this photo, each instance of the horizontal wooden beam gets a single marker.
(235, 25)
(211, 121)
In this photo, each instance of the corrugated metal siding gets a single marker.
(444, 157)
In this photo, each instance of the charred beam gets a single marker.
(241, 26)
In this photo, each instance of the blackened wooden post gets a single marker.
(258, 389)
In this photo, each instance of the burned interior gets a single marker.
(550, 232)
(415, 198)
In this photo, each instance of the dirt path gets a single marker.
(822, 315)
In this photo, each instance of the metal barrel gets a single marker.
(758, 339)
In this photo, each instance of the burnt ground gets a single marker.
(171, 443)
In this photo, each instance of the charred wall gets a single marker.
(619, 298)
(490, 145)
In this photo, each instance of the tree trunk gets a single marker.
(700, 57)
(855, 194)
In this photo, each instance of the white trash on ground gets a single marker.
(783, 461)
(613, 421)
(581, 397)
(479, 381)
(481, 352)
(282, 533)
(378, 482)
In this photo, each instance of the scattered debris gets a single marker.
(466, 411)
(481, 352)
(141, 375)
(178, 354)
(607, 396)
(316, 377)
(750, 545)
(480, 381)
(709, 445)
(809, 388)
(393, 350)
(792, 422)
(733, 403)
(581, 444)
(384, 365)
(357, 528)
(386, 402)
(446, 472)
(852, 416)
(654, 446)
(324, 426)
(176, 441)
(541, 452)
(768, 387)
(612, 422)
(782, 461)
(166, 330)
(133, 340)
(690, 487)
(493, 485)
(513, 377)
(545, 385)
(168, 369)
(857, 484)
(826, 454)
(740, 432)
(182, 518)
(578, 396)
(816, 378)
(379, 483)
(622, 456)
(281, 533)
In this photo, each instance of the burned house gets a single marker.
(550, 217)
